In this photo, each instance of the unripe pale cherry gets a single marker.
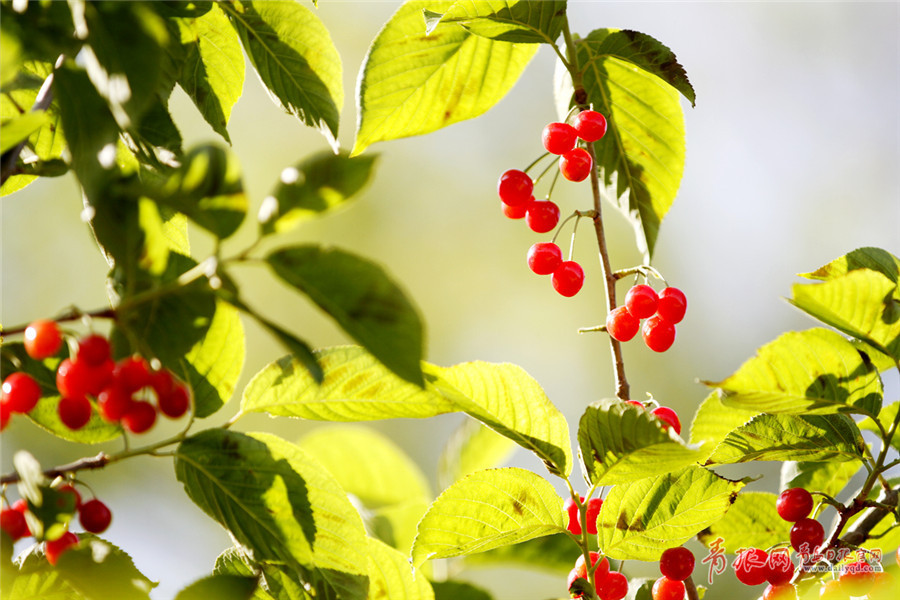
(641, 301)
(515, 187)
(568, 278)
(672, 305)
(857, 578)
(42, 339)
(784, 591)
(589, 125)
(794, 504)
(542, 216)
(558, 138)
(658, 334)
(575, 165)
(621, 324)
(544, 258)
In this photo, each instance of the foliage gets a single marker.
(343, 512)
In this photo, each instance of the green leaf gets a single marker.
(213, 366)
(752, 521)
(808, 372)
(278, 502)
(487, 510)
(213, 69)
(550, 553)
(390, 575)
(11, 58)
(319, 184)
(362, 298)
(504, 20)
(790, 437)
(509, 401)
(874, 259)
(99, 570)
(863, 303)
(293, 54)
(220, 587)
(208, 189)
(370, 467)
(472, 447)
(412, 83)
(37, 579)
(827, 477)
(620, 442)
(126, 80)
(886, 417)
(641, 157)
(713, 421)
(277, 582)
(641, 519)
(357, 388)
(458, 590)
(20, 128)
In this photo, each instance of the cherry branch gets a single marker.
(84, 464)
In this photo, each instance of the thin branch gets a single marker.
(92, 462)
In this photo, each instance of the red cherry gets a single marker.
(73, 378)
(13, 523)
(658, 334)
(794, 504)
(68, 488)
(544, 257)
(668, 589)
(781, 568)
(635, 403)
(574, 524)
(621, 324)
(95, 516)
(668, 417)
(613, 587)
(42, 339)
(175, 403)
(677, 563)
(99, 376)
(74, 412)
(5, 412)
(785, 591)
(593, 510)
(514, 212)
(672, 305)
(576, 165)
(132, 373)
(568, 278)
(542, 216)
(600, 573)
(139, 417)
(21, 392)
(590, 125)
(641, 301)
(54, 549)
(113, 402)
(558, 138)
(857, 578)
(807, 535)
(750, 566)
(515, 187)
(93, 350)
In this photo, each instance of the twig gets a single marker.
(691, 589)
(93, 462)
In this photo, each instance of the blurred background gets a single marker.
(793, 153)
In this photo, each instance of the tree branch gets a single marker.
(93, 462)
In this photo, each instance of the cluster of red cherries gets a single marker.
(516, 191)
(662, 312)
(93, 515)
(121, 389)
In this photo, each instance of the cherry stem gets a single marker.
(536, 161)
(691, 589)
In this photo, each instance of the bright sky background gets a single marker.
(793, 155)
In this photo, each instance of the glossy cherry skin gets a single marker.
(672, 305)
(21, 392)
(641, 301)
(677, 563)
(659, 335)
(589, 125)
(568, 278)
(515, 187)
(42, 339)
(669, 418)
(750, 566)
(542, 216)
(794, 504)
(621, 324)
(544, 258)
(668, 589)
(575, 165)
(558, 138)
